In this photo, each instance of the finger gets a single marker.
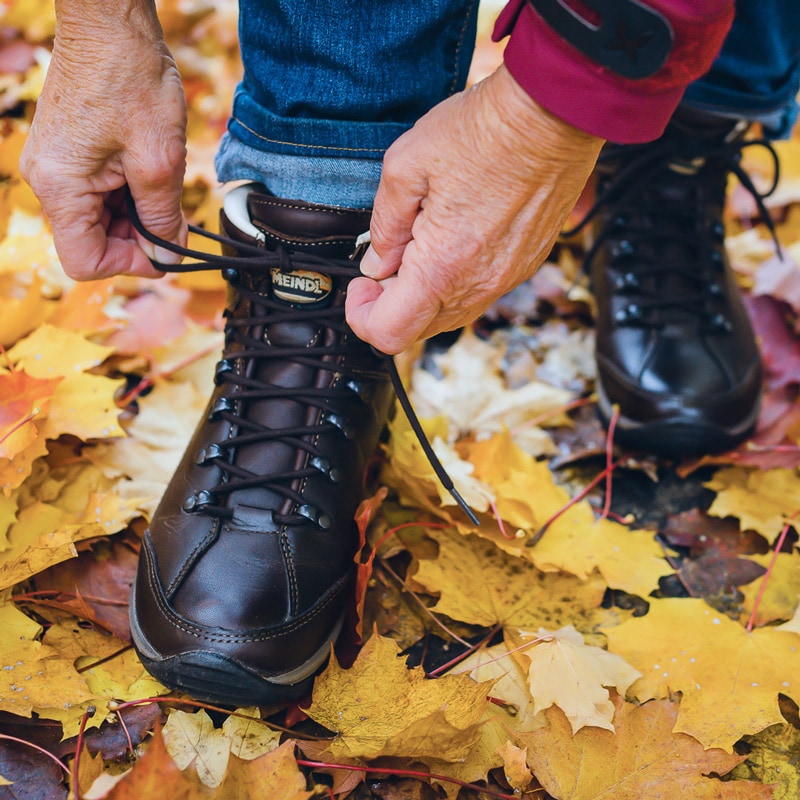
(391, 314)
(401, 191)
(156, 187)
(80, 234)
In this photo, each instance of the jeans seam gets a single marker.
(461, 35)
(309, 146)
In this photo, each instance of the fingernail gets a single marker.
(159, 254)
(370, 263)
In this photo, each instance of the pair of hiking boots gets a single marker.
(246, 571)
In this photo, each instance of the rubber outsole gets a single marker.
(675, 438)
(215, 678)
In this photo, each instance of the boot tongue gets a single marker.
(326, 231)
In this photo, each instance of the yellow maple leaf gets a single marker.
(380, 708)
(762, 500)
(192, 740)
(28, 245)
(644, 760)
(509, 591)
(195, 743)
(772, 759)
(408, 471)
(515, 766)
(250, 738)
(15, 471)
(23, 314)
(509, 680)
(146, 459)
(82, 404)
(33, 674)
(119, 677)
(779, 600)
(576, 542)
(729, 679)
(564, 671)
(80, 503)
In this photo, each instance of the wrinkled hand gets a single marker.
(469, 205)
(112, 112)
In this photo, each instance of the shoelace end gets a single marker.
(464, 506)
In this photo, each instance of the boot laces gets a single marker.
(241, 345)
(654, 203)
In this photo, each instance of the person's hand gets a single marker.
(470, 202)
(112, 112)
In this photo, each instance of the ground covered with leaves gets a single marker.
(616, 627)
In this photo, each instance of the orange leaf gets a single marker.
(275, 774)
(22, 399)
(364, 561)
(155, 775)
(83, 307)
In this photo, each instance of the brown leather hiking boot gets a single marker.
(245, 573)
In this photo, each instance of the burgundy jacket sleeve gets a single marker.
(596, 98)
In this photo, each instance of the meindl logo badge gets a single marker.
(300, 286)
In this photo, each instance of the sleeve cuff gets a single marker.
(593, 98)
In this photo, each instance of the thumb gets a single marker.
(401, 191)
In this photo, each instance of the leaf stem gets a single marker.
(762, 589)
(578, 497)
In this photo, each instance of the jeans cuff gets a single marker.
(330, 180)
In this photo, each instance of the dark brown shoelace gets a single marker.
(260, 259)
(634, 197)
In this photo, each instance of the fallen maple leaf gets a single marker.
(644, 760)
(772, 759)
(272, 775)
(380, 708)
(31, 669)
(779, 598)
(510, 592)
(155, 774)
(760, 500)
(564, 671)
(472, 395)
(192, 741)
(23, 399)
(729, 679)
(515, 766)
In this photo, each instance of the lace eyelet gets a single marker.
(626, 281)
(332, 473)
(207, 454)
(221, 406)
(622, 248)
(224, 366)
(719, 322)
(316, 515)
(629, 314)
(342, 423)
(195, 502)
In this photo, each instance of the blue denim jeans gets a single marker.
(757, 73)
(328, 85)
(335, 83)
